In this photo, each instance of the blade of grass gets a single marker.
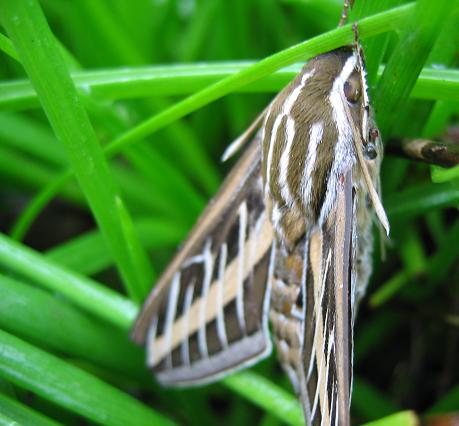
(39, 202)
(266, 395)
(176, 80)
(43, 62)
(404, 418)
(448, 402)
(74, 334)
(26, 173)
(7, 46)
(71, 387)
(369, 402)
(32, 137)
(420, 199)
(87, 254)
(435, 268)
(182, 142)
(407, 60)
(21, 414)
(82, 291)
(444, 175)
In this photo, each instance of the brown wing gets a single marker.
(328, 301)
(207, 316)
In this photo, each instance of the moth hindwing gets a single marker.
(287, 237)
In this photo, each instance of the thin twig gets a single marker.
(444, 154)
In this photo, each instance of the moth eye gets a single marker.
(370, 151)
(352, 88)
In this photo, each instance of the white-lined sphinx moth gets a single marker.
(287, 237)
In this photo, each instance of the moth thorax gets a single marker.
(307, 140)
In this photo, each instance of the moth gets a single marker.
(286, 240)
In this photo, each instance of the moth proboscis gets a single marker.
(287, 238)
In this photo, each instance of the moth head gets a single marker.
(365, 134)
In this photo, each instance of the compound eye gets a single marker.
(353, 88)
(370, 151)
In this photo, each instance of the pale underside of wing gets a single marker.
(207, 316)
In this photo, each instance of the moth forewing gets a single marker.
(207, 316)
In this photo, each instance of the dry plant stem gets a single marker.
(442, 154)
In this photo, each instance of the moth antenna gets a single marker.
(358, 142)
(345, 13)
(243, 138)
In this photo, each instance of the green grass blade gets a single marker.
(21, 414)
(420, 199)
(404, 418)
(70, 387)
(440, 175)
(39, 202)
(87, 254)
(266, 395)
(407, 61)
(88, 294)
(32, 137)
(45, 66)
(26, 173)
(75, 334)
(447, 403)
(180, 79)
(369, 402)
(7, 46)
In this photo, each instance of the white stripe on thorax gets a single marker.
(315, 137)
(290, 133)
(272, 141)
(208, 267)
(284, 163)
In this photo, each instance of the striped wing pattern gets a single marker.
(208, 315)
(327, 346)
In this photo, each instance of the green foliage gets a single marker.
(109, 152)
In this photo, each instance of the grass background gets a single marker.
(113, 116)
